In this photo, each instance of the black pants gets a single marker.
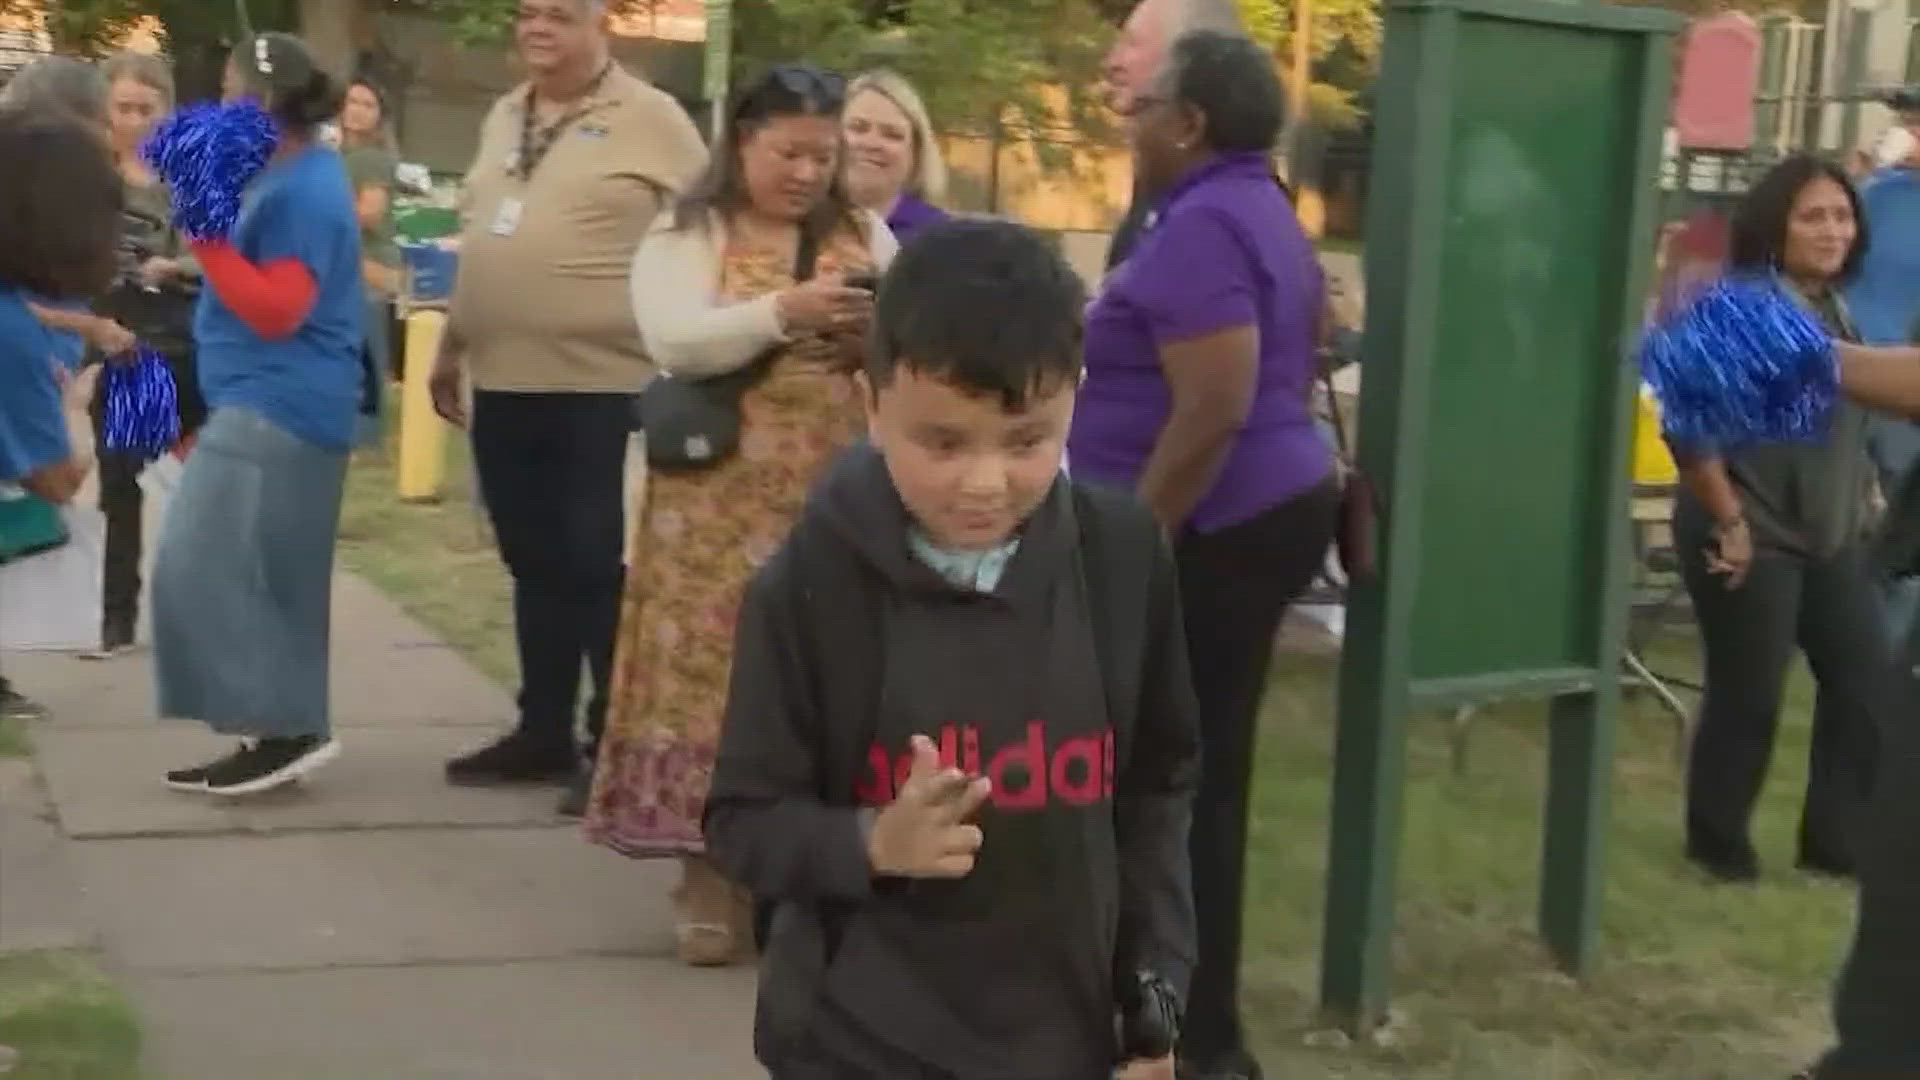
(123, 504)
(552, 472)
(1828, 607)
(1235, 585)
(1877, 1006)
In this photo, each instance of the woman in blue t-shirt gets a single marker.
(241, 584)
(59, 228)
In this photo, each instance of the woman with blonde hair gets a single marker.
(894, 167)
(153, 298)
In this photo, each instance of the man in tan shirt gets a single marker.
(572, 167)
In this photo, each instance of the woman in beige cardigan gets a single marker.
(715, 289)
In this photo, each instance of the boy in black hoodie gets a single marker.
(960, 744)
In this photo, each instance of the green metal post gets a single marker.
(1913, 43)
(718, 63)
(1813, 98)
(1773, 82)
(1405, 217)
(1859, 27)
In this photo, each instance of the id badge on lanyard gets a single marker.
(506, 220)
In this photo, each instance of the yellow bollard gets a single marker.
(423, 435)
(1652, 462)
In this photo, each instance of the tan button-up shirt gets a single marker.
(541, 303)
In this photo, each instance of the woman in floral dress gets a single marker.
(717, 287)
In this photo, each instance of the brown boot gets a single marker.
(713, 917)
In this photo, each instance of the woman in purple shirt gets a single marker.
(893, 160)
(1200, 359)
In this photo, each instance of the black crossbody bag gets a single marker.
(694, 424)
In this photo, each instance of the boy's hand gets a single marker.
(924, 834)
(1161, 1069)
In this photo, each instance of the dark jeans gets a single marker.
(1235, 585)
(1829, 608)
(123, 504)
(552, 472)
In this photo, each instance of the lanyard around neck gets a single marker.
(536, 141)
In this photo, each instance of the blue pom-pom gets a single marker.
(1741, 363)
(207, 155)
(140, 408)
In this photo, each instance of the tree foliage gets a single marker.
(1344, 50)
(1015, 64)
(197, 33)
(1020, 64)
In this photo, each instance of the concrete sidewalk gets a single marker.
(373, 923)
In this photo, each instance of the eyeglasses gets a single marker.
(1142, 102)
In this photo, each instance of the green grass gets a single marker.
(13, 740)
(1696, 983)
(1345, 245)
(65, 1019)
(437, 559)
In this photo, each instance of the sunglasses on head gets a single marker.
(818, 88)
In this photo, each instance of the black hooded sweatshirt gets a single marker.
(1067, 685)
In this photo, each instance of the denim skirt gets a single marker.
(242, 580)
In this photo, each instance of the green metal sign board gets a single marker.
(719, 63)
(1509, 243)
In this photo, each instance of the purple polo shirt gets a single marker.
(1224, 249)
(911, 214)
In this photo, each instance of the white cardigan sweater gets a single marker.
(675, 285)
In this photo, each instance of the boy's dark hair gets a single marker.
(988, 306)
(60, 202)
(1760, 222)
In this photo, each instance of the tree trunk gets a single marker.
(198, 42)
(329, 29)
(200, 34)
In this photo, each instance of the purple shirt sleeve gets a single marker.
(1192, 277)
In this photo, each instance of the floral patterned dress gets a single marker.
(698, 538)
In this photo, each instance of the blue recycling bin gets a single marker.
(430, 272)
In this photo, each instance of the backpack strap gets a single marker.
(1097, 561)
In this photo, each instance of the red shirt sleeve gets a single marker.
(273, 299)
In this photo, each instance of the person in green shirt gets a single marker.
(367, 144)
(372, 158)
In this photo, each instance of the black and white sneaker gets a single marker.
(19, 707)
(257, 766)
(195, 779)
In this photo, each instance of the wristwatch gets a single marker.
(1150, 1011)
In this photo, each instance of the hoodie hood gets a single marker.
(857, 502)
